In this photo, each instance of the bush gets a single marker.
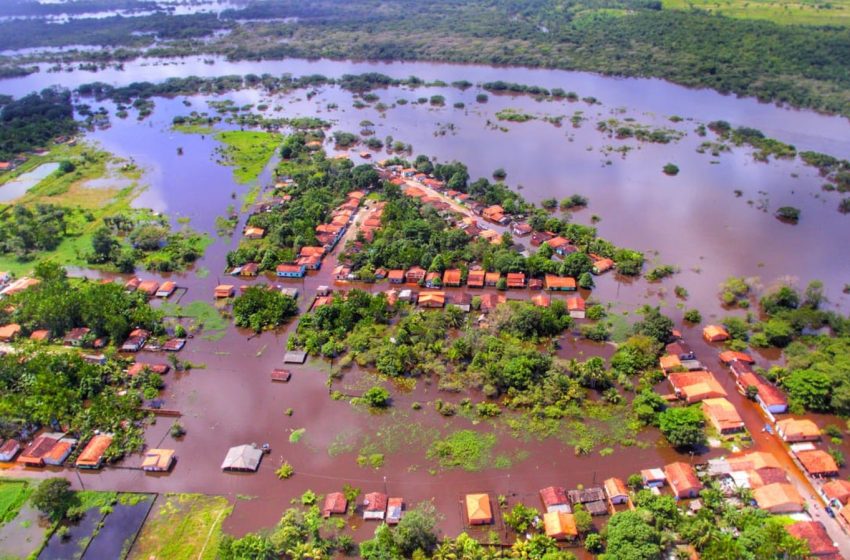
(377, 397)
(671, 169)
(259, 308)
(53, 498)
(788, 214)
(693, 316)
(285, 471)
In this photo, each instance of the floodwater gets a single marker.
(18, 186)
(693, 221)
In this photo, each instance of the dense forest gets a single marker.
(34, 120)
(801, 65)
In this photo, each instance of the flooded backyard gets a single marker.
(694, 221)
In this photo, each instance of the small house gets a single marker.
(223, 291)
(249, 270)
(835, 491)
(433, 280)
(245, 458)
(408, 296)
(681, 349)
(40, 335)
(173, 345)
(560, 526)
(540, 237)
(140, 367)
(723, 415)
(395, 509)
(535, 284)
(92, 455)
(669, 362)
(374, 505)
(19, 285)
(295, 357)
(166, 289)
(491, 279)
(795, 430)
(814, 534)
(768, 396)
(136, 341)
(516, 280)
(818, 463)
(253, 232)
(9, 332)
(290, 270)
(586, 495)
(478, 510)
(576, 307)
(9, 449)
(341, 272)
(132, 284)
(395, 276)
(653, 478)
(432, 299)
(695, 386)
(414, 275)
(158, 460)
(75, 337)
(602, 266)
(521, 229)
(475, 278)
(281, 375)
(683, 480)
(335, 503)
(310, 262)
(729, 356)
(560, 283)
(148, 287)
(33, 454)
(57, 454)
(381, 273)
(555, 499)
(779, 497)
(452, 278)
(715, 333)
(616, 491)
(541, 300)
(559, 245)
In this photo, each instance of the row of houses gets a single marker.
(151, 288)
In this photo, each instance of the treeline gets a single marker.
(34, 120)
(25, 231)
(28, 8)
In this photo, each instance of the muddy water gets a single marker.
(692, 220)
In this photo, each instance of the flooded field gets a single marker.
(694, 221)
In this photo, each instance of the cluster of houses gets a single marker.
(151, 288)
(54, 449)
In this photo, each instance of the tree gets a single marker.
(260, 308)
(53, 497)
(521, 518)
(654, 324)
(381, 547)
(377, 397)
(671, 169)
(783, 298)
(788, 214)
(417, 530)
(683, 427)
(250, 547)
(103, 245)
(809, 388)
(631, 537)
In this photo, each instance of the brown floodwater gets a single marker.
(693, 220)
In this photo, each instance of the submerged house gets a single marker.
(555, 499)
(291, 270)
(560, 526)
(478, 510)
(244, 458)
(560, 283)
(158, 460)
(92, 455)
(374, 505)
(335, 503)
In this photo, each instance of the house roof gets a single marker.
(653, 475)
(753, 461)
(158, 459)
(837, 489)
(817, 462)
(576, 304)
(492, 277)
(779, 496)
(798, 428)
(730, 356)
(375, 501)
(436, 298)
(335, 502)
(148, 286)
(554, 496)
(224, 289)
(682, 477)
(815, 535)
(723, 413)
(475, 278)
(769, 394)
(169, 286)
(695, 386)
(602, 265)
(41, 334)
(8, 332)
(669, 362)
(242, 457)
(289, 268)
(558, 524)
(478, 508)
(38, 448)
(395, 274)
(615, 487)
(451, 276)
(541, 300)
(553, 281)
(516, 279)
(93, 452)
(715, 333)
(678, 348)
(558, 242)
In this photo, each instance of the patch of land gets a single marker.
(247, 152)
(783, 13)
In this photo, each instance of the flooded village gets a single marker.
(365, 333)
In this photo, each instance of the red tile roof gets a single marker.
(814, 533)
(682, 478)
(553, 496)
(694, 386)
(818, 462)
(837, 489)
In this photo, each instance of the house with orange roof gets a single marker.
(491, 236)
(541, 300)
(452, 277)
(290, 270)
(768, 396)
(396, 276)
(40, 335)
(795, 430)
(10, 332)
(753, 461)
(414, 274)
(149, 287)
(560, 526)
(223, 291)
(576, 307)
(836, 491)
(818, 463)
(779, 497)
(475, 278)
(374, 505)
(335, 503)
(433, 280)
(491, 279)
(414, 192)
(540, 237)
(158, 460)
(166, 289)
(616, 490)
(601, 266)
(92, 455)
(669, 362)
(558, 244)
(478, 510)
(559, 283)
(253, 232)
(818, 540)
(729, 356)
(723, 415)
(695, 386)
(683, 479)
(310, 262)
(516, 280)
(496, 214)
(19, 286)
(432, 299)
(715, 333)
(681, 349)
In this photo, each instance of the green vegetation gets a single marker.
(260, 308)
(785, 13)
(205, 317)
(683, 427)
(285, 471)
(183, 527)
(661, 272)
(464, 449)
(377, 397)
(671, 169)
(13, 495)
(788, 214)
(34, 121)
(53, 497)
(514, 115)
(764, 146)
(247, 152)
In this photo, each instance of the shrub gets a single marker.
(285, 471)
(693, 316)
(671, 169)
(377, 397)
(788, 214)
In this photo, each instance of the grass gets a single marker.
(184, 527)
(513, 115)
(247, 152)
(13, 494)
(204, 316)
(296, 435)
(192, 129)
(464, 449)
(781, 12)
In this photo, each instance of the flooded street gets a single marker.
(694, 221)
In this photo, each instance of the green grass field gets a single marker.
(13, 494)
(248, 152)
(182, 527)
(835, 13)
